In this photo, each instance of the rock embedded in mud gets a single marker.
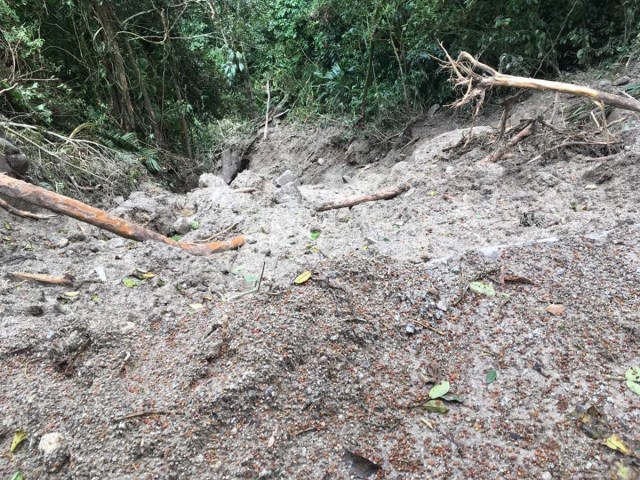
(231, 165)
(287, 193)
(208, 180)
(288, 177)
(51, 442)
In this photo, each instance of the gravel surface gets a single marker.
(148, 367)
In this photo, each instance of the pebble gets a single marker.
(51, 442)
(410, 328)
(321, 161)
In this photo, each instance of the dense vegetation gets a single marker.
(165, 72)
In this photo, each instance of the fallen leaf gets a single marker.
(315, 234)
(556, 309)
(18, 437)
(634, 387)
(17, 476)
(196, 306)
(614, 442)
(130, 282)
(71, 294)
(303, 277)
(449, 397)
(623, 471)
(436, 406)
(591, 186)
(492, 376)
(633, 374)
(482, 288)
(439, 390)
(517, 279)
(593, 423)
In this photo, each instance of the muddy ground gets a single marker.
(157, 364)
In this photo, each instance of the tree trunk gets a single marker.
(40, 197)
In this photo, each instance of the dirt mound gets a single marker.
(155, 364)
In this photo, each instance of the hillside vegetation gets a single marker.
(176, 77)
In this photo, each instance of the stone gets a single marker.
(286, 178)
(410, 328)
(12, 159)
(287, 193)
(321, 161)
(51, 442)
(182, 225)
(208, 180)
(248, 179)
(623, 80)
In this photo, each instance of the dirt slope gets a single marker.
(170, 377)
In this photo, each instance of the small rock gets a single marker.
(287, 193)
(443, 304)
(101, 273)
(321, 161)
(182, 225)
(78, 237)
(208, 180)
(345, 179)
(410, 328)
(62, 243)
(286, 178)
(623, 80)
(50, 442)
(602, 84)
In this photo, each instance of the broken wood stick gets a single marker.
(42, 278)
(22, 213)
(13, 188)
(500, 152)
(385, 194)
(476, 84)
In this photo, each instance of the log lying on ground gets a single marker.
(477, 83)
(385, 194)
(13, 188)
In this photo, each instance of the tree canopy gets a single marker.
(164, 71)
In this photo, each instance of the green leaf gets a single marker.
(633, 374)
(18, 437)
(195, 225)
(492, 376)
(176, 238)
(436, 406)
(130, 282)
(17, 476)
(439, 390)
(315, 234)
(250, 279)
(634, 387)
(449, 397)
(483, 288)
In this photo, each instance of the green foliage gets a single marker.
(164, 74)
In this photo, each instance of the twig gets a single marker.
(42, 278)
(217, 235)
(144, 414)
(23, 213)
(385, 194)
(264, 263)
(429, 327)
(244, 190)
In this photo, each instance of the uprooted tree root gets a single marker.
(475, 78)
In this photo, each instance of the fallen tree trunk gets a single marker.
(476, 84)
(13, 188)
(385, 194)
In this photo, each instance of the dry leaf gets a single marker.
(556, 309)
(614, 442)
(303, 277)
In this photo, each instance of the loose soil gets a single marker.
(156, 364)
